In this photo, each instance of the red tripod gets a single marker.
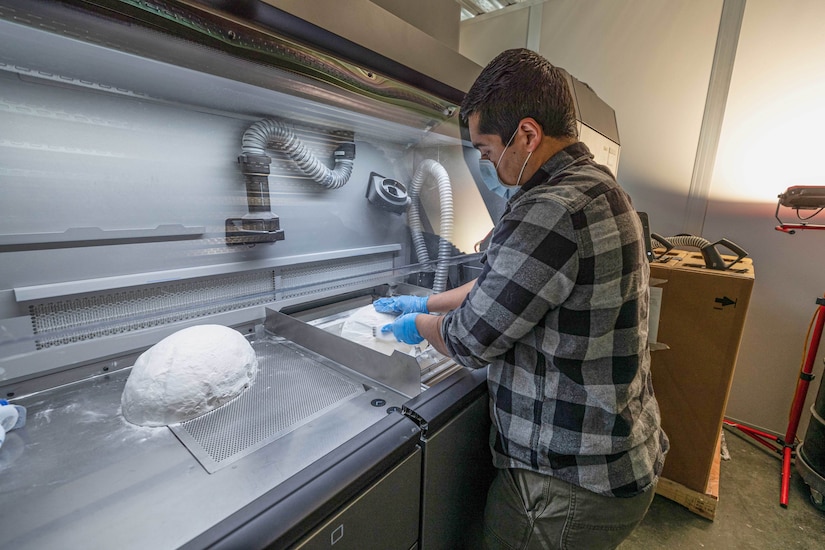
(798, 198)
(787, 446)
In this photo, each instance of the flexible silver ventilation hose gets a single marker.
(273, 133)
(431, 168)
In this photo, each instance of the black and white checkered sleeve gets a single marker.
(531, 267)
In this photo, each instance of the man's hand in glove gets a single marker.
(404, 329)
(401, 304)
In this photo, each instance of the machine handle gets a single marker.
(661, 240)
(733, 247)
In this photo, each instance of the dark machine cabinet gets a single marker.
(457, 465)
(384, 516)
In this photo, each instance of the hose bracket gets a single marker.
(253, 230)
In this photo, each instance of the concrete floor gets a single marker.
(748, 514)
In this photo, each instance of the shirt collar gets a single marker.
(570, 155)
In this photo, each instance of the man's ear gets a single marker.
(532, 132)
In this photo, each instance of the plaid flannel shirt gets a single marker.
(559, 313)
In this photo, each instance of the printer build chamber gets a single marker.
(170, 164)
(131, 203)
(173, 163)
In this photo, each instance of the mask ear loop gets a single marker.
(509, 141)
(523, 166)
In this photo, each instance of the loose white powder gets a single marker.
(187, 374)
(358, 328)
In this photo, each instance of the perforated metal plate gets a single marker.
(61, 322)
(293, 386)
(80, 318)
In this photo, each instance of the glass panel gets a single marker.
(120, 173)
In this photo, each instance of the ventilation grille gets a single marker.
(68, 321)
(292, 388)
(305, 280)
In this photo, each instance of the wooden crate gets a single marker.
(702, 504)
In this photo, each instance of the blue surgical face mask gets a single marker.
(490, 177)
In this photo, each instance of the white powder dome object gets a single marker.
(187, 374)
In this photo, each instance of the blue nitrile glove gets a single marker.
(6, 416)
(404, 330)
(402, 304)
(11, 418)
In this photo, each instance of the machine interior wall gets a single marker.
(118, 167)
(142, 164)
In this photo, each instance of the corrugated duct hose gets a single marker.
(431, 168)
(261, 225)
(266, 133)
(713, 260)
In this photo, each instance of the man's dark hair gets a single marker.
(516, 84)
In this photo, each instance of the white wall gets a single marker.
(772, 138)
(651, 61)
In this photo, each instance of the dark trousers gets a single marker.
(526, 510)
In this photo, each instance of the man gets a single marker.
(559, 313)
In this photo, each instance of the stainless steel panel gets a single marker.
(79, 476)
(370, 26)
(292, 387)
(67, 288)
(398, 371)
